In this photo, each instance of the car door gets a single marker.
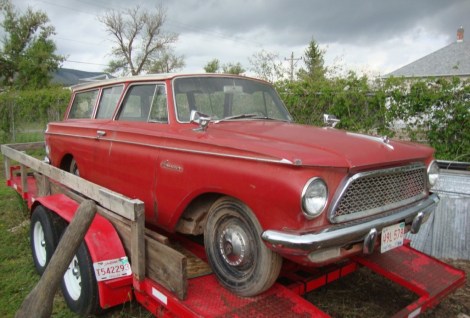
(138, 135)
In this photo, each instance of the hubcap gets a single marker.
(73, 279)
(233, 245)
(39, 244)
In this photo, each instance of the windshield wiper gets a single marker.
(235, 117)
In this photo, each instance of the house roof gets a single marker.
(451, 60)
(69, 77)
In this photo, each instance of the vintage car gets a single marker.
(218, 156)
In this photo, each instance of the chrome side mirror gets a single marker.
(330, 120)
(199, 118)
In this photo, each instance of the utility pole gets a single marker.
(292, 64)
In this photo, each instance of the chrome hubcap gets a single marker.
(73, 279)
(233, 245)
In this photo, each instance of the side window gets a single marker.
(109, 98)
(83, 104)
(136, 104)
(159, 111)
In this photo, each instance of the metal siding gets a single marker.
(447, 232)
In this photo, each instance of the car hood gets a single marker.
(310, 146)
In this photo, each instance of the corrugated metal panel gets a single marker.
(447, 232)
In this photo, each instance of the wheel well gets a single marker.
(66, 161)
(194, 217)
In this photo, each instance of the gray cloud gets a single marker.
(360, 30)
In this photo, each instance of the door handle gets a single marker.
(100, 133)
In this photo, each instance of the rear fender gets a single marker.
(102, 242)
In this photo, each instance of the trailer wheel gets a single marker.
(79, 285)
(241, 261)
(44, 237)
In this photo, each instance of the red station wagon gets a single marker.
(219, 156)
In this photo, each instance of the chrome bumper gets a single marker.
(343, 235)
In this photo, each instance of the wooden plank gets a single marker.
(163, 263)
(7, 163)
(24, 179)
(111, 200)
(43, 185)
(138, 247)
(167, 267)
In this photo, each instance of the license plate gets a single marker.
(113, 268)
(392, 237)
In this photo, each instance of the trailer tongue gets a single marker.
(197, 293)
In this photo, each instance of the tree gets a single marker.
(212, 66)
(167, 62)
(313, 62)
(27, 56)
(140, 41)
(267, 66)
(231, 68)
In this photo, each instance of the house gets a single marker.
(450, 61)
(68, 77)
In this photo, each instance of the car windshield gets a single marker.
(227, 98)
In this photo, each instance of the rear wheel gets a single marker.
(79, 285)
(241, 261)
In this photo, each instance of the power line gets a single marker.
(80, 62)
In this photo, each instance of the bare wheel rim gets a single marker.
(39, 244)
(73, 279)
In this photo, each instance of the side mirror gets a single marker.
(200, 118)
(330, 120)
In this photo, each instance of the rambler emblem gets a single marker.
(171, 166)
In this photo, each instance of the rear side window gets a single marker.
(83, 104)
(108, 102)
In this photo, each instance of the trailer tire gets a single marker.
(44, 236)
(241, 261)
(79, 285)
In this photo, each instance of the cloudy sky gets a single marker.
(370, 36)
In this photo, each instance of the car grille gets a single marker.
(373, 192)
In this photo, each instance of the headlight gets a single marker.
(433, 173)
(314, 197)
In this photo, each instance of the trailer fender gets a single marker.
(103, 243)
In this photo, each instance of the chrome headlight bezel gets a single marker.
(433, 173)
(314, 197)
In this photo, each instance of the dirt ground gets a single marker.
(366, 294)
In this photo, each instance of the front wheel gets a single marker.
(44, 236)
(241, 261)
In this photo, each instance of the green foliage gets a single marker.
(27, 56)
(433, 111)
(212, 66)
(25, 114)
(313, 62)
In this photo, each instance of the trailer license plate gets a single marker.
(113, 268)
(392, 236)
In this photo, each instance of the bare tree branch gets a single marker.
(139, 38)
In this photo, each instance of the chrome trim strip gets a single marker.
(279, 161)
(338, 236)
(347, 182)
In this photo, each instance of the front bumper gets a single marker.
(344, 235)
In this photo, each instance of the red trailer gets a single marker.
(169, 275)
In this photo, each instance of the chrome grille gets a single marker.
(377, 191)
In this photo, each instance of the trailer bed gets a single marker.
(430, 279)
